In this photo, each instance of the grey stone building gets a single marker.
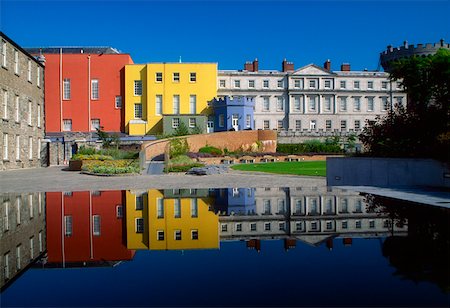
(22, 108)
(312, 100)
(22, 233)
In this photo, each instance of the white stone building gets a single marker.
(312, 98)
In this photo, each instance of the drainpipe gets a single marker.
(90, 227)
(89, 95)
(63, 231)
(60, 91)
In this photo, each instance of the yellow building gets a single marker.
(170, 222)
(154, 89)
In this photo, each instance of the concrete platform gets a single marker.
(424, 195)
(56, 179)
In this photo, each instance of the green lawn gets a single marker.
(314, 168)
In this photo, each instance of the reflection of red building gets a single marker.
(86, 228)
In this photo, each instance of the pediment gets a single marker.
(311, 69)
(314, 240)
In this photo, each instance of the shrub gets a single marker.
(91, 157)
(310, 146)
(112, 166)
(182, 168)
(178, 146)
(86, 150)
(211, 150)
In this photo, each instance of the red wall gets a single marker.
(107, 68)
(108, 246)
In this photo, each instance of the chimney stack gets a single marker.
(287, 66)
(345, 67)
(41, 57)
(255, 65)
(248, 66)
(327, 65)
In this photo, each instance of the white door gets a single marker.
(235, 121)
(210, 127)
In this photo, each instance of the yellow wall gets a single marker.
(205, 88)
(136, 240)
(206, 223)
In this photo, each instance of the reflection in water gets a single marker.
(92, 229)
(22, 233)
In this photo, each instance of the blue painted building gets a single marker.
(235, 201)
(233, 114)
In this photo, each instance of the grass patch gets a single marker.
(312, 168)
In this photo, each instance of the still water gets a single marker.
(303, 246)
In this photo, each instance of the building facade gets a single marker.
(158, 89)
(312, 98)
(22, 108)
(232, 114)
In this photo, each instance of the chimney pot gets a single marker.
(327, 65)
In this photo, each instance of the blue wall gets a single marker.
(226, 107)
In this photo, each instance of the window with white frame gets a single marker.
(297, 104)
(297, 83)
(18, 147)
(39, 148)
(280, 83)
(16, 62)
(356, 103)
(356, 84)
(343, 124)
(4, 53)
(221, 120)
(327, 103)
(312, 103)
(175, 123)
(267, 226)
(30, 107)
(96, 225)
(266, 103)
(176, 77)
(29, 70)
(266, 124)
(30, 148)
(38, 76)
(299, 226)
(137, 87)
(95, 89)
(265, 83)
(328, 125)
(17, 109)
(158, 77)
(158, 104)
(118, 102)
(176, 104)
(95, 124)
(298, 125)
(399, 100)
(5, 104)
(224, 227)
(193, 104)
(66, 89)
(251, 84)
(312, 84)
(31, 247)
(327, 84)
(398, 85)
(237, 83)
(312, 124)
(119, 211)
(253, 226)
(384, 103)
(18, 209)
(194, 208)
(5, 146)
(67, 125)
(343, 103)
(222, 83)
(267, 207)
(248, 121)
(160, 235)
(370, 103)
(68, 227)
(357, 124)
(370, 85)
(138, 111)
(192, 77)
(280, 125)
(177, 235)
(39, 116)
(139, 223)
(281, 226)
(280, 103)
(159, 208)
(342, 84)
(238, 227)
(384, 85)
(192, 122)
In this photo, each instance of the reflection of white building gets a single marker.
(22, 233)
(311, 215)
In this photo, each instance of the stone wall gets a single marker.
(387, 172)
(230, 140)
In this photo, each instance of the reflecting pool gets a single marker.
(301, 246)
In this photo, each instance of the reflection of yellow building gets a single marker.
(152, 90)
(170, 223)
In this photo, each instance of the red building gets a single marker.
(84, 88)
(86, 229)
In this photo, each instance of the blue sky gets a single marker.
(230, 32)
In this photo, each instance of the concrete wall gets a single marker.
(387, 172)
(231, 140)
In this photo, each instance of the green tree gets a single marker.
(181, 130)
(108, 140)
(422, 128)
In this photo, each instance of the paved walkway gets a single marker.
(56, 179)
